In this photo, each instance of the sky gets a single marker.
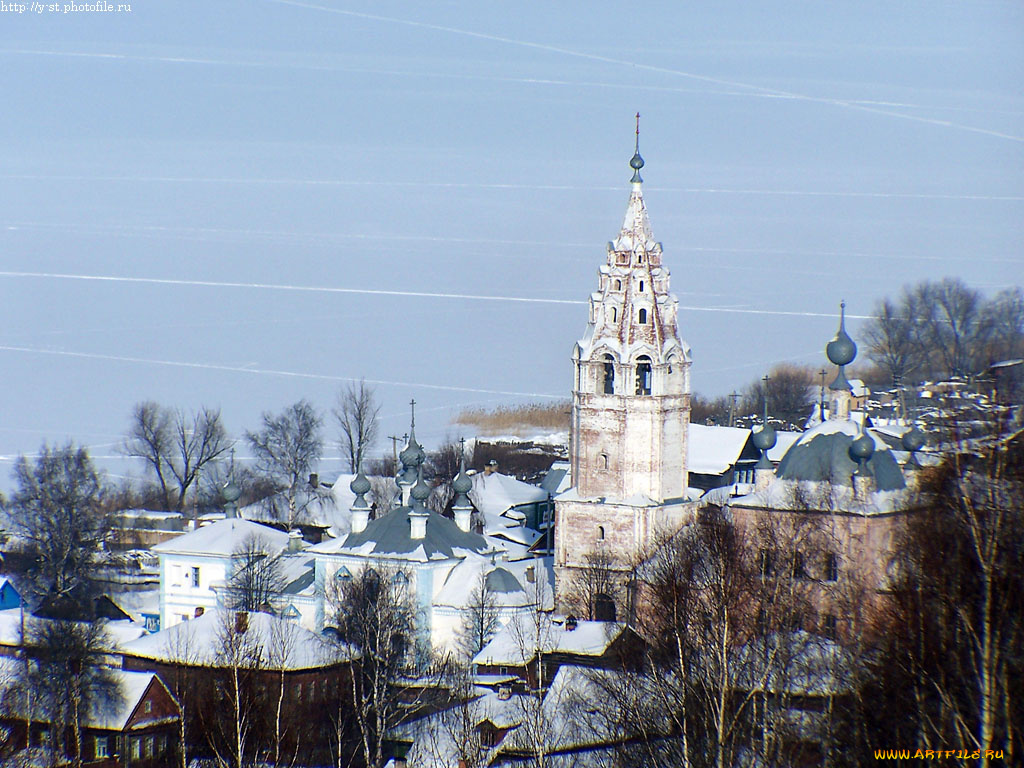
(243, 203)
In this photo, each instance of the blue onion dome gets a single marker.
(913, 440)
(636, 162)
(421, 491)
(230, 492)
(413, 454)
(862, 448)
(359, 485)
(765, 438)
(462, 483)
(842, 349)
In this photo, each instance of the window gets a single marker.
(136, 749)
(641, 282)
(764, 560)
(615, 315)
(147, 747)
(604, 608)
(609, 375)
(828, 627)
(799, 567)
(600, 532)
(195, 577)
(831, 567)
(643, 317)
(643, 374)
(618, 285)
(102, 747)
(147, 707)
(604, 461)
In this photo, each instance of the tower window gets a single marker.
(604, 465)
(643, 375)
(600, 532)
(641, 286)
(609, 375)
(643, 317)
(618, 285)
(615, 315)
(831, 567)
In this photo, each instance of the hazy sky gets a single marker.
(282, 196)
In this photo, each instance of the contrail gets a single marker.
(512, 186)
(265, 371)
(775, 92)
(377, 292)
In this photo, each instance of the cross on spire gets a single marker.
(637, 131)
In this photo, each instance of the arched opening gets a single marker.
(600, 533)
(604, 463)
(618, 285)
(608, 383)
(615, 315)
(643, 375)
(641, 286)
(643, 317)
(604, 608)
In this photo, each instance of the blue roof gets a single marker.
(391, 535)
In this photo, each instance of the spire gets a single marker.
(841, 351)
(637, 162)
(765, 438)
(636, 227)
(462, 509)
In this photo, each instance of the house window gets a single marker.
(764, 560)
(147, 707)
(643, 317)
(643, 374)
(609, 375)
(831, 567)
(195, 577)
(102, 746)
(828, 627)
(799, 567)
(136, 749)
(147, 747)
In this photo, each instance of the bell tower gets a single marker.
(630, 410)
(631, 386)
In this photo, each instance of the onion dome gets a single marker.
(230, 492)
(413, 454)
(861, 450)
(462, 484)
(841, 351)
(636, 162)
(765, 438)
(359, 486)
(913, 440)
(421, 491)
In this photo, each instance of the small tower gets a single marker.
(418, 512)
(411, 458)
(462, 509)
(360, 508)
(840, 351)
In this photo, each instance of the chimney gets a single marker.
(241, 622)
(531, 575)
(570, 623)
(314, 480)
(418, 524)
(199, 611)
(294, 540)
(504, 692)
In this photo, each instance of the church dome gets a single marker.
(824, 454)
(359, 485)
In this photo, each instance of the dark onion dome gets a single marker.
(912, 440)
(421, 491)
(636, 163)
(765, 437)
(359, 485)
(230, 492)
(822, 454)
(842, 349)
(462, 483)
(862, 448)
(413, 454)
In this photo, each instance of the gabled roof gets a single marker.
(223, 538)
(391, 535)
(713, 450)
(519, 641)
(496, 493)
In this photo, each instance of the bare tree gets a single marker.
(257, 579)
(68, 678)
(176, 446)
(287, 449)
(57, 510)
(891, 341)
(373, 614)
(597, 585)
(357, 413)
(480, 619)
(790, 394)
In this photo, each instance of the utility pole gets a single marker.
(735, 396)
(394, 447)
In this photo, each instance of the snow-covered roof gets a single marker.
(496, 493)
(506, 590)
(198, 642)
(121, 632)
(107, 715)
(558, 478)
(391, 536)
(323, 507)
(223, 538)
(822, 454)
(523, 637)
(713, 450)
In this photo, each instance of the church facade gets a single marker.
(630, 421)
